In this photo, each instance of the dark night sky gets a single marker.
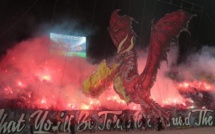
(25, 19)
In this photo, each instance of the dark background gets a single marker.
(24, 19)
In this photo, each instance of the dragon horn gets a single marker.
(121, 43)
(130, 47)
(132, 44)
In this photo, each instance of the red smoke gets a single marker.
(32, 77)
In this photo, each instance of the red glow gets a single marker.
(44, 80)
(54, 82)
(200, 85)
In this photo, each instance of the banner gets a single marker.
(18, 120)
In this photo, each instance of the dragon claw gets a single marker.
(154, 110)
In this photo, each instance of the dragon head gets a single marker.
(121, 32)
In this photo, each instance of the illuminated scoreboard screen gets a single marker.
(68, 45)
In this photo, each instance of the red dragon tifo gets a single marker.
(123, 74)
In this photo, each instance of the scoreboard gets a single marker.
(68, 45)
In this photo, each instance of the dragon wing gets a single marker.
(163, 32)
